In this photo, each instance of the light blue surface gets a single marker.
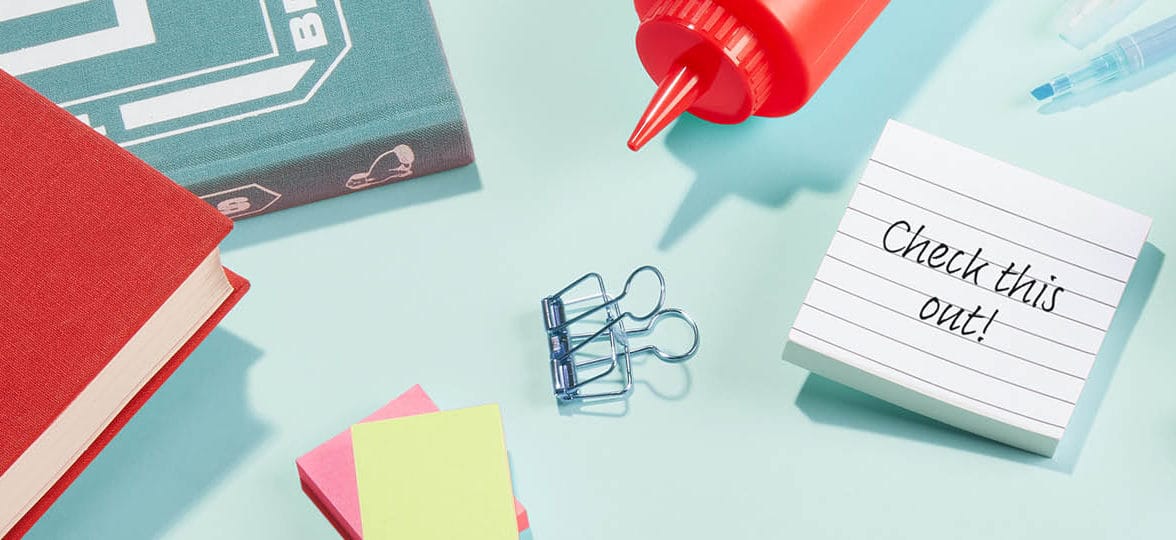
(437, 281)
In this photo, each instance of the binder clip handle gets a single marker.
(670, 313)
(555, 316)
(661, 292)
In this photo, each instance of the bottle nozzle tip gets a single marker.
(641, 136)
(674, 95)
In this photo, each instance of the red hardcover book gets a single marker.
(110, 276)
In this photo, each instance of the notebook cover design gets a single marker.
(254, 106)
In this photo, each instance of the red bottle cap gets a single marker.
(725, 60)
(704, 60)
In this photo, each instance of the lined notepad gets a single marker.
(967, 289)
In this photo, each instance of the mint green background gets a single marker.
(437, 281)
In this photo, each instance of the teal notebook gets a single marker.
(253, 105)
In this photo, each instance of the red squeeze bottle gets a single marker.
(725, 60)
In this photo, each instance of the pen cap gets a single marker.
(1082, 22)
(725, 60)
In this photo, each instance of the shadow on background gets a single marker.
(354, 206)
(828, 402)
(666, 392)
(618, 406)
(191, 434)
(1139, 289)
(668, 381)
(613, 407)
(1094, 95)
(768, 160)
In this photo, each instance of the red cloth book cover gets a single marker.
(92, 243)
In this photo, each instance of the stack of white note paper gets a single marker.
(968, 290)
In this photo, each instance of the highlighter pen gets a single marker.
(725, 60)
(1126, 56)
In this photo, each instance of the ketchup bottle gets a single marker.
(725, 60)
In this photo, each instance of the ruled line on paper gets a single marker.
(985, 259)
(955, 264)
(910, 222)
(894, 195)
(924, 293)
(865, 255)
(929, 353)
(1059, 315)
(907, 240)
(1006, 211)
(914, 357)
(925, 381)
(1014, 242)
(954, 212)
(980, 343)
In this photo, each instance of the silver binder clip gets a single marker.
(588, 339)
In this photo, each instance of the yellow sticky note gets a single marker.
(438, 476)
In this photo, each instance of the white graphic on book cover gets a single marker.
(242, 201)
(391, 165)
(269, 55)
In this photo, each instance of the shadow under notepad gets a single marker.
(190, 434)
(352, 206)
(1139, 289)
(818, 148)
(828, 402)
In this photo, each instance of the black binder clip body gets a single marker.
(588, 339)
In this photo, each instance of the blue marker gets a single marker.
(1128, 55)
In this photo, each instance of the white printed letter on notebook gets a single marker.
(968, 290)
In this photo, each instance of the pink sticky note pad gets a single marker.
(328, 472)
